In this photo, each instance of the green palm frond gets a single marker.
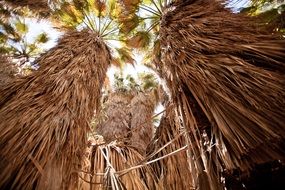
(14, 41)
(102, 17)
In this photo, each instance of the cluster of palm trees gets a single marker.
(225, 81)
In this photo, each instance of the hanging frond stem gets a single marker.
(160, 4)
(154, 116)
(146, 8)
(87, 25)
(106, 27)
(99, 23)
(150, 17)
(89, 21)
(123, 172)
(110, 32)
(152, 26)
(156, 7)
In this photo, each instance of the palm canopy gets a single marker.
(225, 77)
(20, 41)
(100, 16)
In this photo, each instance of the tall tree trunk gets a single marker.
(226, 76)
(45, 116)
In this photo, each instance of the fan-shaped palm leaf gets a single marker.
(101, 16)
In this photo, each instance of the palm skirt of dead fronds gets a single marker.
(7, 71)
(173, 171)
(38, 5)
(45, 116)
(226, 76)
(114, 166)
(128, 119)
(116, 124)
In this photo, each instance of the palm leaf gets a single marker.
(139, 40)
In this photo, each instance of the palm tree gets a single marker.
(270, 12)
(116, 124)
(126, 127)
(55, 105)
(226, 78)
(129, 111)
(14, 40)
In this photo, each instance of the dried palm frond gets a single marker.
(142, 110)
(106, 165)
(173, 172)
(45, 116)
(7, 71)
(117, 124)
(226, 77)
(40, 6)
(129, 119)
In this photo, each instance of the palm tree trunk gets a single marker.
(45, 116)
(227, 76)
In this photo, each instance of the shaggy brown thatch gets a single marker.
(142, 110)
(226, 76)
(45, 116)
(38, 4)
(129, 119)
(117, 125)
(7, 72)
(173, 172)
(108, 167)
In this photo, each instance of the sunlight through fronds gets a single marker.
(101, 16)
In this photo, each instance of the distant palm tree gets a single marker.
(129, 111)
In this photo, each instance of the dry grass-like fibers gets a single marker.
(226, 76)
(7, 71)
(142, 110)
(45, 116)
(128, 119)
(117, 124)
(173, 171)
(34, 5)
(109, 166)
